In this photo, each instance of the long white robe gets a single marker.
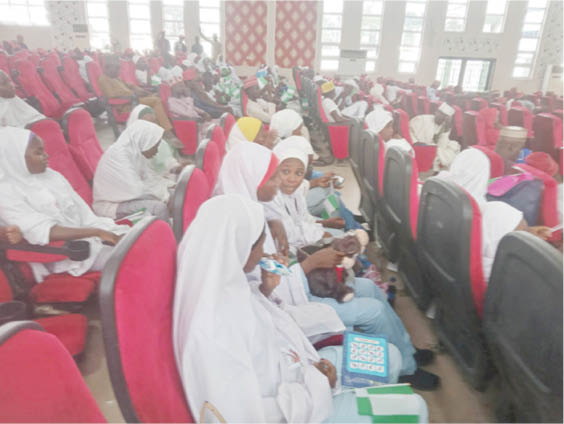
(423, 129)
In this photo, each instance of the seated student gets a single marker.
(435, 129)
(142, 74)
(544, 162)
(112, 86)
(329, 106)
(45, 208)
(345, 102)
(11, 234)
(249, 342)
(230, 86)
(471, 170)
(382, 122)
(124, 183)
(511, 141)
(394, 93)
(14, 112)
(377, 93)
(256, 106)
(82, 60)
(490, 119)
(202, 99)
(250, 129)
(432, 91)
(288, 122)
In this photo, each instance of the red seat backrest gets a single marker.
(94, 72)
(470, 129)
(457, 119)
(60, 158)
(72, 77)
(423, 105)
(404, 124)
(154, 65)
(219, 138)
(127, 72)
(548, 132)
(53, 80)
(477, 279)
(479, 103)
(209, 161)
(83, 141)
(502, 112)
(191, 191)
(31, 83)
(496, 161)
(549, 202)
(137, 293)
(36, 369)
(522, 117)
(227, 121)
(164, 93)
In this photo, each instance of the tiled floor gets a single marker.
(454, 401)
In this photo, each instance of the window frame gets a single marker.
(322, 44)
(465, 18)
(464, 59)
(375, 47)
(503, 17)
(173, 3)
(203, 5)
(88, 17)
(420, 32)
(30, 20)
(146, 3)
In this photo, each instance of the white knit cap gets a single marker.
(446, 109)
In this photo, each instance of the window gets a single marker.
(98, 24)
(530, 38)
(495, 16)
(210, 21)
(173, 19)
(448, 72)
(370, 31)
(456, 15)
(470, 74)
(140, 38)
(332, 22)
(410, 48)
(23, 12)
(476, 74)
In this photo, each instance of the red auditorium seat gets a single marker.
(50, 75)
(423, 105)
(72, 77)
(424, 155)
(127, 72)
(191, 191)
(409, 104)
(478, 103)
(548, 134)
(549, 201)
(525, 290)
(520, 116)
(338, 134)
(208, 160)
(502, 112)
(449, 239)
(403, 118)
(137, 292)
(227, 121)
(40, 380)
(496, 161)
(456, 132)
(83, 142)
(30, 82)
(155, 64)
(216, 134)
(60, 157)
(470, 126)
(185, 129)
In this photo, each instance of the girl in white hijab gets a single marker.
(124, 182)
(234, 348)
(14, 112)
(377, 92)
(382, 122)
(45, 207)
(288, 122)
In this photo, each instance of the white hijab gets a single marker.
(135, 114)
(37, 202)
(124, 174)
(285, 122)
(15, 112)
(232, 347)
(378, 119)
(377, 91)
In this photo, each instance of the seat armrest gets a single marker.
(75, 250)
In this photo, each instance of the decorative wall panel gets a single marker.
(296, 23)
(245, 32)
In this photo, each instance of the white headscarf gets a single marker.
(136, 113)
(124, 174)
(378, 119)
(377, 91)
(243, 169)
(15, 112)
(292, 148)
(350, 82)
(285, 122)
(232, 348)
(296, 141)
(37, 202)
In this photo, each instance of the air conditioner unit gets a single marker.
(553, 79)
(352, 63)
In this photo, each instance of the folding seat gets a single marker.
(502, 112)
(80, 133)
(127, 72)
(548, 134)
(478, 103)
(423, 105)
(185, 129)
(523, 327)
(60, 157)
(226, 122)
(338, 133)
(40, 380)
(424, 155)
(356, 157)
(30, 82)
(115, 117)
(216, 134)
(191, 191)
(496, 161)
(449, 239)
(72, 78)
(470, 129)
(520, 116)
(208, 160)
(456, 132)
(136, 303)
(409, 104)
(50, 75)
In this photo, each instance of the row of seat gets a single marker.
(436, 238)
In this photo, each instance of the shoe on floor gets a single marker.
(423, 357)
(421, 380)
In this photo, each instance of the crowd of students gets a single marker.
(243, 336)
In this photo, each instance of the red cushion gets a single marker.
(404, 124)
(72, 77)
(339, 137)
(5, 289)
(228, 123)
(219, 138)
(502, 112)
(197, 192)
(84, 144)
(425, 156)
(496, 161)
(31, 83)
(478, 281)
(41, 382)
(211, 165)
(549, 201)
(69, 329)
(94, 72)
(143, 299)
(53, 80)
(62, 288)
(187, 133)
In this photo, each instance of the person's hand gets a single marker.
(541, 232)
(13, 234)
(269, 282)
(279, 235)
(334, 222)
(326, 258)
(108, 237)
(328, 370)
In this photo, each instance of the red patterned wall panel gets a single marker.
(296, 23)
(245, 32)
